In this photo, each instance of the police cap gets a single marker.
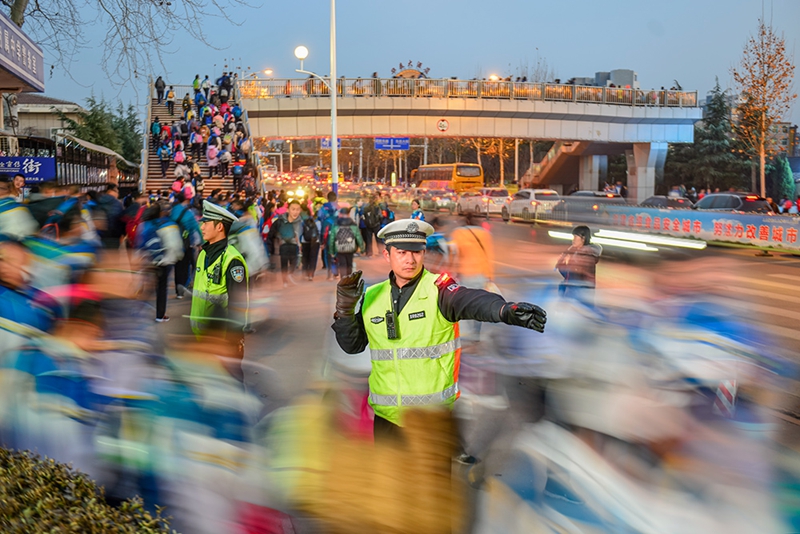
(212, 212)
(406, 234)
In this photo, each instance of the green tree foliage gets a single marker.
(712, 160)
(118, 130)
(783, 179)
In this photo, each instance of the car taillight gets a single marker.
(533, 202)
(594, 207)
(610, 195)
(751, 197)
(485, 199)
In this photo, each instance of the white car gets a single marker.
(484, 201)
(526, 203)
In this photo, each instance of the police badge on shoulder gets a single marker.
(237, 273)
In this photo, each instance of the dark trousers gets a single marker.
(162, 277)
(385, 431)
(171, 107)
(288, 260)
(159, 95)
(368, 234)
(344, 261)
(365, 235)
(164, 167)
(310, 255)
(197, 151)
(182, 269)
(205, 92)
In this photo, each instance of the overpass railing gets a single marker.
(479, 89)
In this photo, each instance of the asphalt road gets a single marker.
(291, 346)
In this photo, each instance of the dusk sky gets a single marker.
(691, 41)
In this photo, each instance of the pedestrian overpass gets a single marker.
(588, 123)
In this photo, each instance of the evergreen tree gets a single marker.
(126, 124)
(784, 179)
(98, 124)
(710, 161)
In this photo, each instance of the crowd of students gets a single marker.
(210, 126)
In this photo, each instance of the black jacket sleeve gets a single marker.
(350, 333)
(457, 303)
(236, 282)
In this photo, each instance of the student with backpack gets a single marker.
(155, 131)
(310, 246)
(161, 246)
(192, 239)
(372, 224)
(344, 241)
(288, 229)
(171, 101)
(164, 156)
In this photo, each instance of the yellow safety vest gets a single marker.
(421, 366)
(208, 294)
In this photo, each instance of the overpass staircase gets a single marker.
(559, 162)
(153, 180)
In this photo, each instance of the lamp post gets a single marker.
(301, 53)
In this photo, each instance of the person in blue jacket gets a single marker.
(416, 213)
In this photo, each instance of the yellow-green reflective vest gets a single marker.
(207, 294)
(421, 366)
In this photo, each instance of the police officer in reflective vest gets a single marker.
(410, 323)
(220, 296)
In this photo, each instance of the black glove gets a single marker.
(348, 292)
(524, 314)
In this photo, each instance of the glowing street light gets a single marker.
(494, 77)
(268, 72)
(301, 53)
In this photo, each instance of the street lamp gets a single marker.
(301, 53)
(268, 72)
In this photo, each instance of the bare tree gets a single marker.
(539, 72)
(137, 32)
(764, 79)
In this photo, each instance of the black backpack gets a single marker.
(310, 230)
(345, 240)
(373, 216)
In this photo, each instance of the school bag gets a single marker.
(180, 157)
(373, 217)
(345, 240)
(310, 231)
(170, 248)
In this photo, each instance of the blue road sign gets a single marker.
(392, 143)
(326, 143)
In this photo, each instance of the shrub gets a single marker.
(42, 495)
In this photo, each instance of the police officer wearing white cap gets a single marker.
(220, 294)
(410, 323)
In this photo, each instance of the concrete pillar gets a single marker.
(591, 172)
(645, 168)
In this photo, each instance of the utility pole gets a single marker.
(425, 154)
(516, 161)
(360, 161)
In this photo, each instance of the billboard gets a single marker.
(20, 57)
(34, 169)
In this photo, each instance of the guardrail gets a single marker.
(481, 89)
(773, 232)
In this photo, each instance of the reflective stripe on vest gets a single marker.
(432, 352)
(207, 295)
(220, 300)
(421, 366)
(414, 400)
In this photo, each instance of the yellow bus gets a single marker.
(460, 176)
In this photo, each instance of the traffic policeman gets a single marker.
(410, 323)
(220, 298)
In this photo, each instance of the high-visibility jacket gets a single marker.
(421, 366)
(208, 293)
